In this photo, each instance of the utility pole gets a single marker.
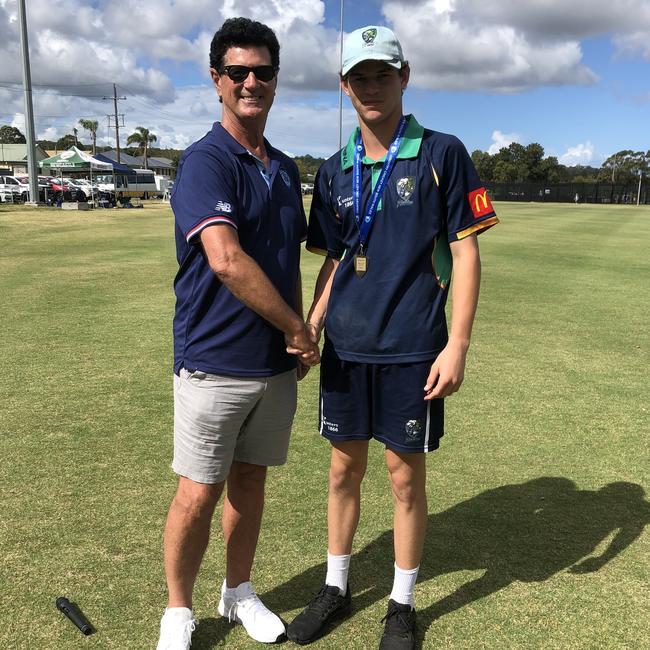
(29, 109)
(117, 117)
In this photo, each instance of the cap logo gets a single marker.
(369, 36)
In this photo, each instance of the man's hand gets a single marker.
(302, 370)
(303, 344)
(447, 372)
(314, 331)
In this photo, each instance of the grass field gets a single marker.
(538, 515)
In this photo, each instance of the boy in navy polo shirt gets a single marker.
(393, 212)
(239, 224)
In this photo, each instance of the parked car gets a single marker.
(12, 184)
(79, 191)
(84, 182)
(60, 189)
(7, 195)
(43, 186)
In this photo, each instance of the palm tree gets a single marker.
(143, 138)
(91, 126)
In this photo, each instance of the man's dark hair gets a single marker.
(243, 32)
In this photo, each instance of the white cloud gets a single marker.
(504, 46)
(637, 43)
(501, 140)
(550, 20)
(462, 45)
(581, 154)
(18, 121)
(449, 49)
(50, 133)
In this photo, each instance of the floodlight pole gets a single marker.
(341, 89)
(638, 194)
(32, 172)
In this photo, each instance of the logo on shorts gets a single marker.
(369, 36)
(413, 429)
(405, 187)
(332, 427)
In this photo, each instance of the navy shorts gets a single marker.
(360, 401)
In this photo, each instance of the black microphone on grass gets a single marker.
(74, 614)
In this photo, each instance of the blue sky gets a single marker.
(573, 76)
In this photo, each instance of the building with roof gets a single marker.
(14, 157)
(158, 165)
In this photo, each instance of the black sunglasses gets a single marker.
(239, 73)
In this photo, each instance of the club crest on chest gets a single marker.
(405, 188)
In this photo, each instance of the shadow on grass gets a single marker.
(210, 632)
(524, 532)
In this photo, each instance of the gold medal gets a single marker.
(360, 265)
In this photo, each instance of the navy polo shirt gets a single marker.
(395, 313)
(219, 182)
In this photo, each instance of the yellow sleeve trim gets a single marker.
(483, 225)
(318, 251)
(435, 176)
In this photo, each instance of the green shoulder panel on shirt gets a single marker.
(409, 148)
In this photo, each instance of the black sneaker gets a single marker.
(399, 631)
(314, 621)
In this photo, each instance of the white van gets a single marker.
(137, 183)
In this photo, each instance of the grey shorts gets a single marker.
(219, 419)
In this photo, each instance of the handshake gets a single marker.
(303, 342)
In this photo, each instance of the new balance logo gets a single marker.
(222, 206)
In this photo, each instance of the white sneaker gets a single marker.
(176, 627)
(242, 605)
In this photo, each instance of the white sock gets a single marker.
(404, 584)
(337, 571)
(179, 613)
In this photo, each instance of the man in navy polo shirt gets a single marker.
(239, 224)
(394, 212)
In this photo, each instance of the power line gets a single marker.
(53, 85)
(16, 89)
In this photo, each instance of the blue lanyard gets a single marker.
(365, 225)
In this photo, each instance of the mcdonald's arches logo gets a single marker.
(480, 203)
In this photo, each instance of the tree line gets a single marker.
(515, 163)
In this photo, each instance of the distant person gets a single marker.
(391, 211)
(239, 224)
